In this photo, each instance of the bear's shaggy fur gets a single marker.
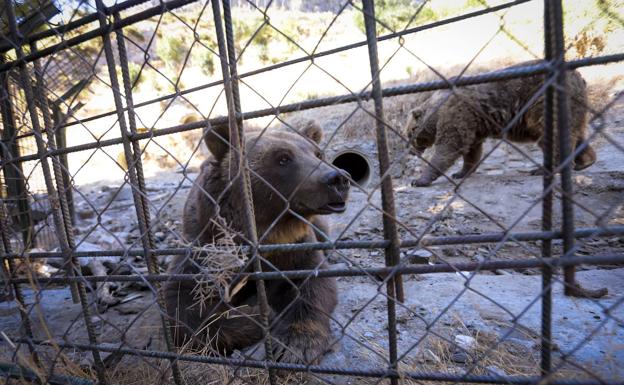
(457, 122)
(289, 181)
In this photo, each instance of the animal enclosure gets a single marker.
(502, 276)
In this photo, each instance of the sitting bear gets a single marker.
(457, 122)
(291, 186)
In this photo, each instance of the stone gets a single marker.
(495, 370)
(465, 342)
(85, 214)
(459, 357)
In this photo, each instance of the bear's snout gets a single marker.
(338, 179)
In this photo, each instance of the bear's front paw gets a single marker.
(301, 348)
(459, 175)
(421, 182)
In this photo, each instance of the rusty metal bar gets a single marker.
(341, 245)
(572, 287)
(137, 17)
(241, 181)
(394, 286)
(57, 169)
(13, 173)
(57, 202)
(333, 100)
(18, 295)
(563, 113)
(380, 272)
(375, 373)
(547, 202)
(63, 29)
(60, 134)
(132, 152)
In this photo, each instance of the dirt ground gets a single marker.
(440, 310)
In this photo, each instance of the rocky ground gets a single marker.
(449, 321)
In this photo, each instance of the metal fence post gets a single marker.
(227, 58)
(394, 287)
(13, 173)
(58, 204)
(132, 152)
(572, 287)
(549, 103)
(60, 133)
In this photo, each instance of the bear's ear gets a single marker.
(218, 141)
(313, 131)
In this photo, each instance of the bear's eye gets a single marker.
(284, 159)
(319, 154)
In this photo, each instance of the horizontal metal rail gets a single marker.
(321, 369)
(21, 373)
(72, 25)
(351, 272)
(98, 32)
(315, 56)
(342, 245)
(329, 101)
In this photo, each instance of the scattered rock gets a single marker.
(85, 213)
(495, 370)
(465, 342)
(459, 357)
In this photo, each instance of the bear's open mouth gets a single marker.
(335, 207)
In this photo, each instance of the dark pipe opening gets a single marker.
(355, 164)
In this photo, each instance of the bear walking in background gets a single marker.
(291, 186)
(457, 122)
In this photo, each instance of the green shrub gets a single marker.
(171, 50)
(396, 15)
(204, 59)
(134, 70)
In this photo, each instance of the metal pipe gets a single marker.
(63, 230)
(355, 163)
(323, 102)
(355, 272)
(394, 285)
(135, 171)
(376, 373)
(341, 245)
(549, 103)
(240, 179)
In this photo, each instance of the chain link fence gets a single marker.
(154, 267)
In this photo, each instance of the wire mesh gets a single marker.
(169, 166)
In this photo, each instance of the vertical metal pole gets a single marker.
(549, 101)
(57, 202)
(564, 142)
(571, 286)
(395, 283)
(57, 167)
(17, 291)
(241, 182)
(231, 50)
(60, 133)
(13, 174)
(132, 152)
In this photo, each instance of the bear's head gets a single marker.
(288, 174)
(420, 129)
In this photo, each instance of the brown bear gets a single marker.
(291, 187)
(457, 122)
